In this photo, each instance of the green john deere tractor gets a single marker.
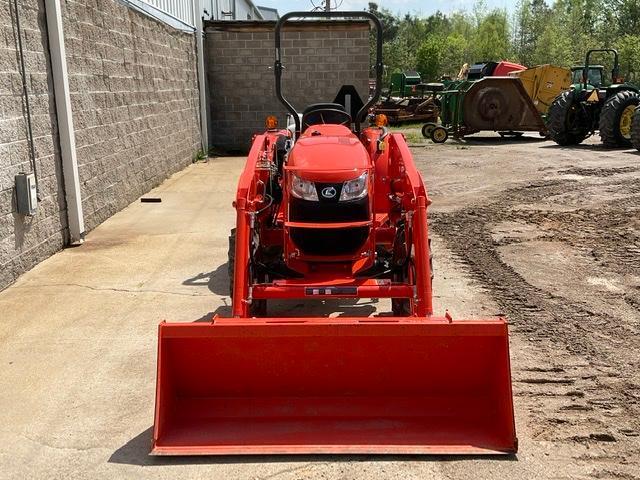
(594, 104)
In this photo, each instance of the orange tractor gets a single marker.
(332, 210)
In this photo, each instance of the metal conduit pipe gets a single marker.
(25, 93)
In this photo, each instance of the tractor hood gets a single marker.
(328, 153)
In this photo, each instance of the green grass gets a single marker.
(412, 132)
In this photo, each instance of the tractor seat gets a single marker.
(325, 113)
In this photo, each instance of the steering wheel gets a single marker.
(328, 116)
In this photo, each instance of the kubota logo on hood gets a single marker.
(328, 192)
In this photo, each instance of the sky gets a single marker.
(421, 7)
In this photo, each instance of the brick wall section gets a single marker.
(134, 96)
(318, 60)
(135, 108)
(25, 241)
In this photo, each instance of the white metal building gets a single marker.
(231, 10)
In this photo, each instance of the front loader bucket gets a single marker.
(271, 386)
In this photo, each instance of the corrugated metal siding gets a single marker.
(179, 9)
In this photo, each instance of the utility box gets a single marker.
(26, 194)
(404, 84)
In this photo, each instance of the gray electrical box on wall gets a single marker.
(26, 193)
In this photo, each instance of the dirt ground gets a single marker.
(548, 236)
(552, 235)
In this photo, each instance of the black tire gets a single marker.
(616, 117)
(439, 134)
(427, 128)
(401, 307)
(258, 308)
(511, 134)
(231, 255)
(635, 129)
(562, 118)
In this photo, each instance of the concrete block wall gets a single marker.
(134, 97)
(318, 60)
(25, 241)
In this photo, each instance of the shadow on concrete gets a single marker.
(136, 452)
(346, 307)
(221, 311)
(217, 281)
(497, 140)
(592, 147)
(341, 307)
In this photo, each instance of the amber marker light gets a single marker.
(381, 120)
(271, 122)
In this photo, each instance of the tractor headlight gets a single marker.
(354, 189)
(303, 189)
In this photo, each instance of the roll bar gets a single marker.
(615, 72)
(278, 67)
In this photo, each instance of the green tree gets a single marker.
(629, 48)
(531, 20)
(390, 23)
(429, 57)
(491, 39)
(628, 16)
(541, 31)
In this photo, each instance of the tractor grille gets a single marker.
(329, 241)
(320, 212)
(328, 211)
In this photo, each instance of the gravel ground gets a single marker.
(553, 236)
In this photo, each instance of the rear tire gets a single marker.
(562, 118)
(616, 118)
(258, 308)
(635, 129)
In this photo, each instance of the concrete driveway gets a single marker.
(78, 345)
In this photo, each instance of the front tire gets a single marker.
(616, 118)
(563, 120)
(231, 257)
(439, 134)
(427, 128)
(401, 307)
(635, 129)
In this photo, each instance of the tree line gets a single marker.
(536, 33)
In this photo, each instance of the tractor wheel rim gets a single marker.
(439, 134)
(626, 119)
